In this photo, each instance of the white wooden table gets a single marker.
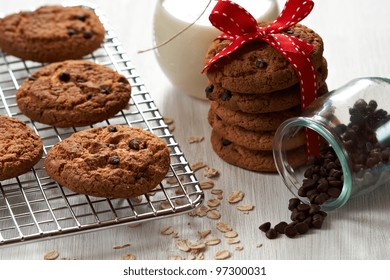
(356, 36)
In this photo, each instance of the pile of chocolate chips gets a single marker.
(324, 177)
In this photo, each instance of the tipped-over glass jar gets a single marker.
(353, 127)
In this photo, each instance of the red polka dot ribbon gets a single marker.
(241, 27)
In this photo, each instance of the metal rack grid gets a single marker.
(34, 207)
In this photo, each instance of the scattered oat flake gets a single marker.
(168, 120)
(51, 255)
(236, 196)
(200, 256)
(239, 248)
(175, 235)
(172, 180)
(202, 211)
(216, 191)
(219, 196)
(182, 245)
(175, 258)
(128, 257)
(213, 241)
(167, 231)
(197, 166)
(134, 225)
(212, 202)
(213, 214)
(195, 139)
(230, 234)
(208, 184)
(233, 241)
(245, 207)
(258, 245)
(165, 205)
(204, 234)
(210, 172)
(222, 227)
(121, 246)
(222, 255)
(196, 245)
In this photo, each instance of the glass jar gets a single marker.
(182, 59)
(353, 133)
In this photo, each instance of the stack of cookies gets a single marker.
(251, 92)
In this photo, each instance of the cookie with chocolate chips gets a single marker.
(252, 140)
(115, 161)
(20, 148)
(51, 33)
(254, 160)
(73, 93)
(257, 67)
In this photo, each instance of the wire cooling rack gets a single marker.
(34, 207)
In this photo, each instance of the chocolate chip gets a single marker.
(280, 227)
(82, 17)
(209, 89)
(114, 160)
(112, 129)
(265, 227)
(271, 233)
(290, 231)
(64, 77)
(71, 31)
(302, 227)
(226, 142)
(293, 203)
(260, 63)
(135, 144)
(226, 95)
(105, 89)
(87, 35)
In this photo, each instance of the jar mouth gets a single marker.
(286, 171)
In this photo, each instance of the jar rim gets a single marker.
(319, 126)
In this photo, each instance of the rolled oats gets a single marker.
(204, 234)
(121, 246)
(182, 245)
(239, 248)
(235, 197)
(230, 234)
(128, 257)
(51, 255)
(167, 231)
(195, 139)
(210, 172)
(213, 241)
(222, 255)
(196, 245)
(222, 227)
(197, 166)
(213, 214)
(174, 258)
(245, 207)
(208, 184)
(168, 120)
(212, 202)
(233, 241)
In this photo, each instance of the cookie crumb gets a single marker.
(258, 245)
(168, 120)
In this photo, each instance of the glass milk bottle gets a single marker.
(182, 59)
(353, 128)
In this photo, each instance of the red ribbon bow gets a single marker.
(241, 27)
